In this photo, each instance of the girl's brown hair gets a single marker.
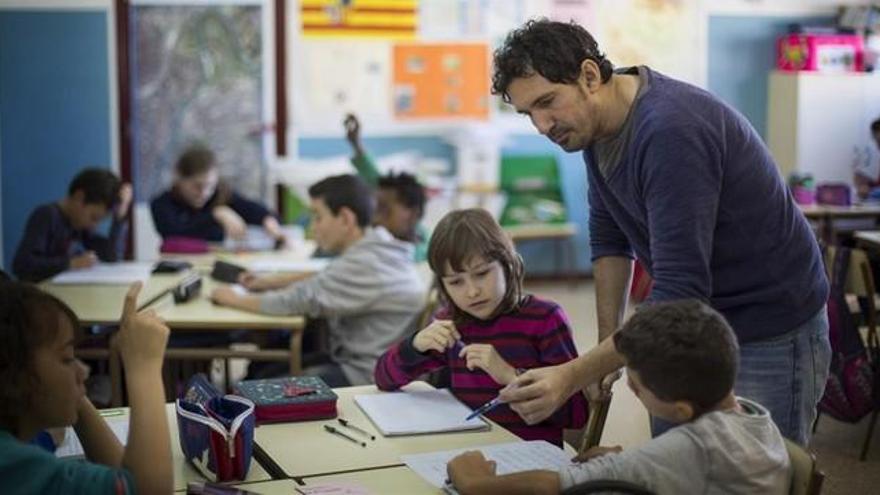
(29, 320)
(464, 234)
(197, 160)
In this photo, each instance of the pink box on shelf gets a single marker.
(820, 52)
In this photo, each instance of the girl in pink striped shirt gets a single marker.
(488, 331)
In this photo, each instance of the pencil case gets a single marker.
(184, 245)
(293, 398)
(216, 431)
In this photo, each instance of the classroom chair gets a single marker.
(590, 435)
(862, 299)
(806, 478)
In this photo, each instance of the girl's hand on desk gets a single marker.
(486, 358)
(438, 336)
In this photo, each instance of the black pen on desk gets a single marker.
(360, 430)
(344, 435)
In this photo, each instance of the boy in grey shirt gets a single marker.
(681, 362)
(371, 294)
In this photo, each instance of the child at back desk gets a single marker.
(41, 386)
(489, 331)
(62, 235)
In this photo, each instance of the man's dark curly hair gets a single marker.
(682, 350)
(555, 50)
(408, 190)
(29, 320)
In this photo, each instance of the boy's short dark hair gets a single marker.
(875, 126)
(28, 321)
(349, 191)
(682, 350)
(195, 160)
(99, 186)
(407, 188)
(555, 50)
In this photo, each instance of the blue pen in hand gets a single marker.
(492, 404)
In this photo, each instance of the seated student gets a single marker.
(866, 173)
(371, 294)
(41, 386)
(400, 199)
(681, 362)
(61, 235)
(201, 206)
(490, 331)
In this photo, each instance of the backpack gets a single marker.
(853, 387)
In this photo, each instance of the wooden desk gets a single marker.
(826, 214)
(559, 233)
(868, 238)
(299, 251)
(102, 304)
(275, 487)
(304, 449)
(183, 471)
(393, 480)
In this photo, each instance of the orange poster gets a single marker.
(388, 19)
(441, 80)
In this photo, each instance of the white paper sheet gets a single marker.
(278, 265)
(122, 273)
(417, 412)
(71, 445)
(509, 457)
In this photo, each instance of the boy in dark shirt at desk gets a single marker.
(201, 206)
(62, 235)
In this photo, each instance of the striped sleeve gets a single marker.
(402, 364)
(556, 347)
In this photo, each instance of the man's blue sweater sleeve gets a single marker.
(682, 214)
(606, 238)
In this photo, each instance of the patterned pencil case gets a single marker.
(216, 431)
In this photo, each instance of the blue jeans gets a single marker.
(786, 375)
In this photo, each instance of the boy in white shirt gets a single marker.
(681, 361)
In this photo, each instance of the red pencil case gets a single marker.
(293, 398)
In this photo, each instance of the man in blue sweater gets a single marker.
(684, 183)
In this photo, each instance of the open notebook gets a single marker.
(417, 412)
(511, 457)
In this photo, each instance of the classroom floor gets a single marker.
(837, 445)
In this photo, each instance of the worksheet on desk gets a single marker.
(119, 273)
(71, 445)
(510, 457)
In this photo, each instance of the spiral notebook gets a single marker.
(418, 412)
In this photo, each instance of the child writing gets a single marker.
(201, 206)
(489, 331)
(41, 386)
(62, 235)
(681, 361)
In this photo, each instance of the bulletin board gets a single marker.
(441, 81)
(410, 66)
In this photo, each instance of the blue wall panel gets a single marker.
(741, 54)
(54, 108)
